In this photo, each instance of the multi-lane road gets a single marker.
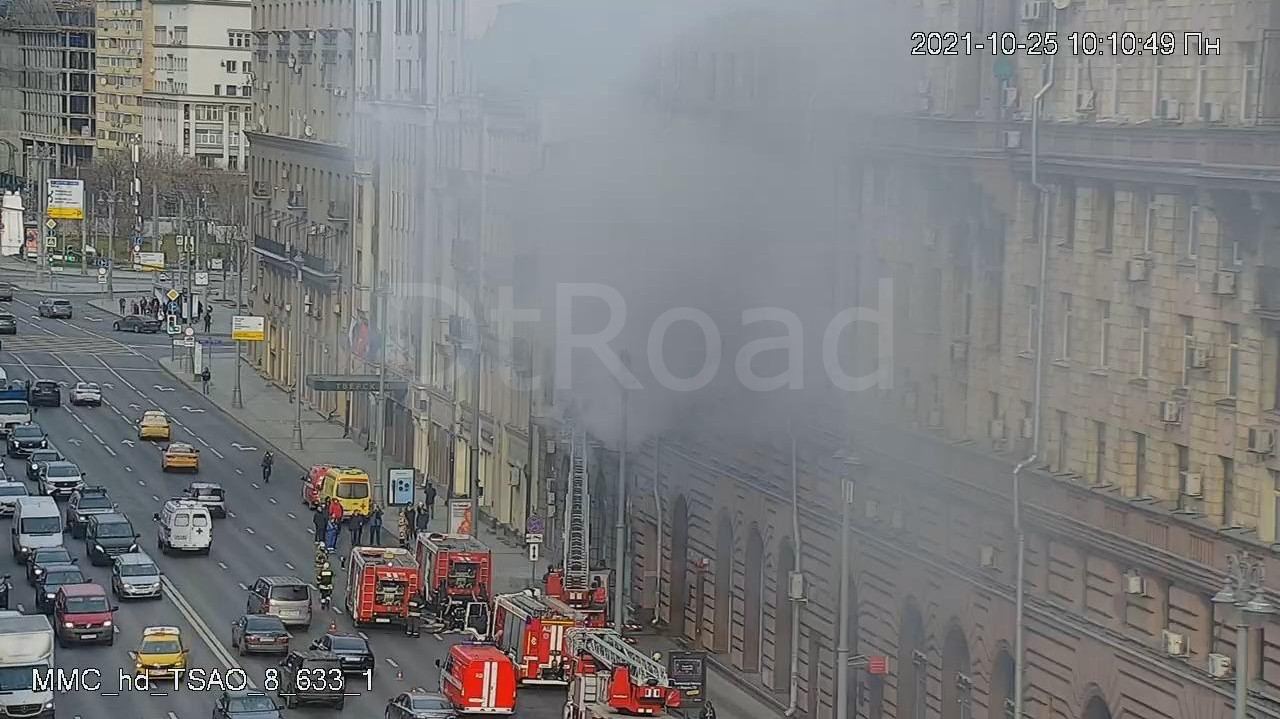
(267, 531)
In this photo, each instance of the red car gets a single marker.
(83, 613)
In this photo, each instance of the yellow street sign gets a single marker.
(248, 328)
(172, 294)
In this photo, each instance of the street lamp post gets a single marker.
(298, 260)
(852, 464)
(1245, 604)
(380, 296)
(620, 521)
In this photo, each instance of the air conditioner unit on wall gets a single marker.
(1138, 269)
(1224, 282)
(1135, 584)
(1199, 356)
(1171, 411)
(1175, 644)
(1192, 484)
(1219, 666)
(1262, 440)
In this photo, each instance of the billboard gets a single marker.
(148, 261)
(66, 199)
(460, 517)
(248, 328)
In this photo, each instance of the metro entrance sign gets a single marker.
(352, 383)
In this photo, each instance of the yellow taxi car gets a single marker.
(154, 425)
(180, 455)
(160, 652)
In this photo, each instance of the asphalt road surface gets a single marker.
(267, 531)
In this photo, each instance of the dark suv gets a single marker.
(86, 502)
(8, 323)
(45, 393)
(25, 438)
(37, 459)
(6, 291)
(106, 535)
(312, 665)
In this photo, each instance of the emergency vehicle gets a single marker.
(478, 679)
(380, 582)
(574, 582)
(456, 574)
(531, 630)
(312, 484)
(613, 679)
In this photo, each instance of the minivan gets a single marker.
(36, 523)
(108, 535)
(287, 598)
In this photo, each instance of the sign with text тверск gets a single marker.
(352, 383)
(400, 487)
(248, 328)
(66, 199)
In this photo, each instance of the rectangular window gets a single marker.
(1065, 316)
(180, 35)
(162, 34)
(231, 90)
(1063, 437)
(1105, 212)
(1188, 347)
(1233, 359)
(230, 65)
(1139, 464)
(1202, 79)
(1144, 341)
(1099, 453)
(217, 89)
(1193, 232)
(1228, 491)
(1033, 310)
(1104, 333)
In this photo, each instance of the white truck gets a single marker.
(26, 660)
(13, 412)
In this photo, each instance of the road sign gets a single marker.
(66, 199)
(188, 341)
(534, 525)
(172, 294)
(137, 247)
(248, 328)
(215, 263)
(102, 272)
(533, 538)
(400, 487)
(533, 552)
(202, 279)
(352, 383)
(189, 331)
(50, 223)
(102, 279)
(51, 242)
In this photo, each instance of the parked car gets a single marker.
(136, 324)
(55, 309)
(86, 393)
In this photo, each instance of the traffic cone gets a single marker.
(333, 626)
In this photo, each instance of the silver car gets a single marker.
(9, 493)
(86, 393)
(135, 576)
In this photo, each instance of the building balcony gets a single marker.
(1239, 158)
(315, 267)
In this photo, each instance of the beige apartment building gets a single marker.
(1157, 454)
(124, 64)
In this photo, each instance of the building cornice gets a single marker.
(296, 144)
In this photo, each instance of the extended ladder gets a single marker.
(610, 650)
(577, 527)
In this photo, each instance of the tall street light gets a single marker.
(298, 260)
(852, 465)
(620, 521)
(1245, 604)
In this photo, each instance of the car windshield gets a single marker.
(63, 576)
(52, 556)
(115, 529)
(28, 432)
(44, 455)
(87, 605)
(94, 501)
(253, 703)
(290, 593)
(428, 703)
(139, 570)
(41, 525)
(352, 490)
(348, 644)
(207, 493)
(62, 303)
(20, 678)
(161, 646)
(63, 470)
(264, 623)
(13, 490)
(14, 406)
(90, 386)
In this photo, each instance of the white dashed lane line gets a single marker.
(269, 548)
(249, 530)
(289, 566)
(392, 662)
(222, 566)
(243, 587)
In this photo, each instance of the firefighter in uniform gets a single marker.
(413, 623)
(322, 556)
(324, 583)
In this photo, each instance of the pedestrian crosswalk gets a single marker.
(63, 345)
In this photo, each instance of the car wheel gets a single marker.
(115, 326)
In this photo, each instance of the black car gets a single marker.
(107, 535)
(84, 503)
(43, 557)
(8, 324)
(352, 650)
(37, 459)
(55, 576)
(259, 634)
(296, 687)
(419, 704)
(26, 438)
(57, 309)
(245, 704)
(6, 291)
(136, 323)
(45, 393)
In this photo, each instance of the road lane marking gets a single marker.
(249, 530)
(232, 515)
(238, 471)
(171, 715)
(201, 441)
(292, 515)
(289, 566)
(141, 483)
(392, 662)
(127, 383)
(222, 566)
(255, 485)
(156, 497)
(202, 629)
(269, 548)
(363, 636)
(128, 469)
(243, 587)
(216, 453)
(272, 500)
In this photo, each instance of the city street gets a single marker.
(267, 531)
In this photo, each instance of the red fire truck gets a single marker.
(478, 679)
(592, 602)
(380, 582)
(456, 574)
(613, 679)
(531, 630)
(573, 581)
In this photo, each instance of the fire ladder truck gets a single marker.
(612, 678)
(573, 582)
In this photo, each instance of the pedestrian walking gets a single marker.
(121, 305)
(429, 500)
(208, 321)
(335, 510)
(133, 308)
(410, 519)
(320, 521)
(357, 530)
(375, 527)
(205, 376)
(424, 518)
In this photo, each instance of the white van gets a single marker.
(184, 525)
(37, 523)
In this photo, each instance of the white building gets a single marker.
(199, 96)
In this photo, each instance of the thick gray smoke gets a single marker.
(675, 195)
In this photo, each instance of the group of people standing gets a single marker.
(417, 518)
(330, 520)
(153, 307)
